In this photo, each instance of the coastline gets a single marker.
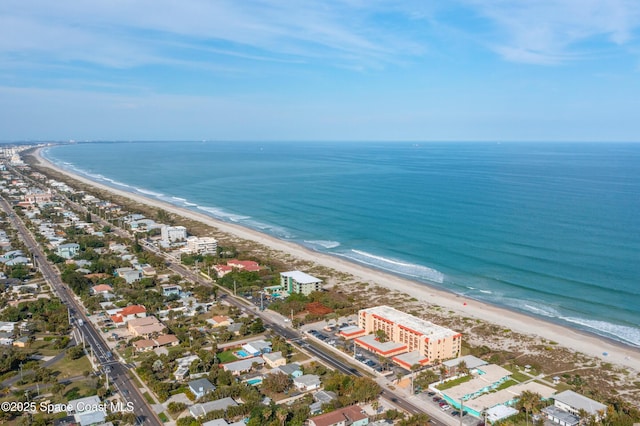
(576, 340)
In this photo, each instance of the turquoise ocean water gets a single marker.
(548, 229)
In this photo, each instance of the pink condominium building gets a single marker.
(430, 341)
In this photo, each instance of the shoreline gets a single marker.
(573, 339)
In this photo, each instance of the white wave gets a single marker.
(624, 333)
(187, 203)
(179, 199)
(471, 288)
(218, 212)
(485, 291)
(323, 243)
(148, 192)
(410, 269)
(538, 310)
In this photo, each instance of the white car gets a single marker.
(446, 407)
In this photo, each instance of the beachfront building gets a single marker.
(171, 234)
(405, 333)
(569, 405)
(202, 245)
(299, 282)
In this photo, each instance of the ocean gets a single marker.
(547, 229)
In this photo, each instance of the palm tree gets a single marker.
(530, 402)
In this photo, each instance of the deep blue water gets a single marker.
(550, 229)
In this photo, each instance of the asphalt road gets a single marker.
(118, 372)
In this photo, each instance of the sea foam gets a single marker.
(395, 266)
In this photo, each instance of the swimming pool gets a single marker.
(275, 294)
(255, 381)
(242, 354)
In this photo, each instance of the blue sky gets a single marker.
(320, 70)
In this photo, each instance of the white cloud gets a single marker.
(550, 31)
(119, 33)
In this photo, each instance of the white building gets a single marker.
(172, 234)
(203, 245)
(299, 282)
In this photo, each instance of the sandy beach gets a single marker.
(581, 342)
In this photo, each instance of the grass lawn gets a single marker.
(71, 368)
(455, 382)
(506, 384)
(227, 356)
(520, 377)
(163, 417)
(148, 398)
(298, 357)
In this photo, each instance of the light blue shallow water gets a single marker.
(552, 230)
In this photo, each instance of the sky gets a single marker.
(426, 70)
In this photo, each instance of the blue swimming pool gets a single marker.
(255, 381)
(242, 354)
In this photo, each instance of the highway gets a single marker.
(116, 370)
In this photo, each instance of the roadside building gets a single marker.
(202, 245)
(431, 341)
(171, 234)
(299, 282)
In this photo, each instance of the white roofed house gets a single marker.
(68, 250)
(307, 382)
(574, 404)
(299, 282)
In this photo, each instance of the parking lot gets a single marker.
(329, 335)
(434, 400)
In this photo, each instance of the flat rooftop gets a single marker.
(386, 347)
(410, 358)
(419, 325)
(301, 277)
(511, 393)
(490, 374)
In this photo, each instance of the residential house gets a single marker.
(68, 250)
(306, 382)
(86, 411)
(274, 359)
(352, 415)
(220, 321)
(130, 275)
(320, 398)
(245, 265)
(292, 370)
(257, 347)
(243, 365)
(201, 387)
(145, 326)
(202, 409)
(574, 403)
(122, 316)
(101, 289)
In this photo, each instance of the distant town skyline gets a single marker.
(528, 70)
